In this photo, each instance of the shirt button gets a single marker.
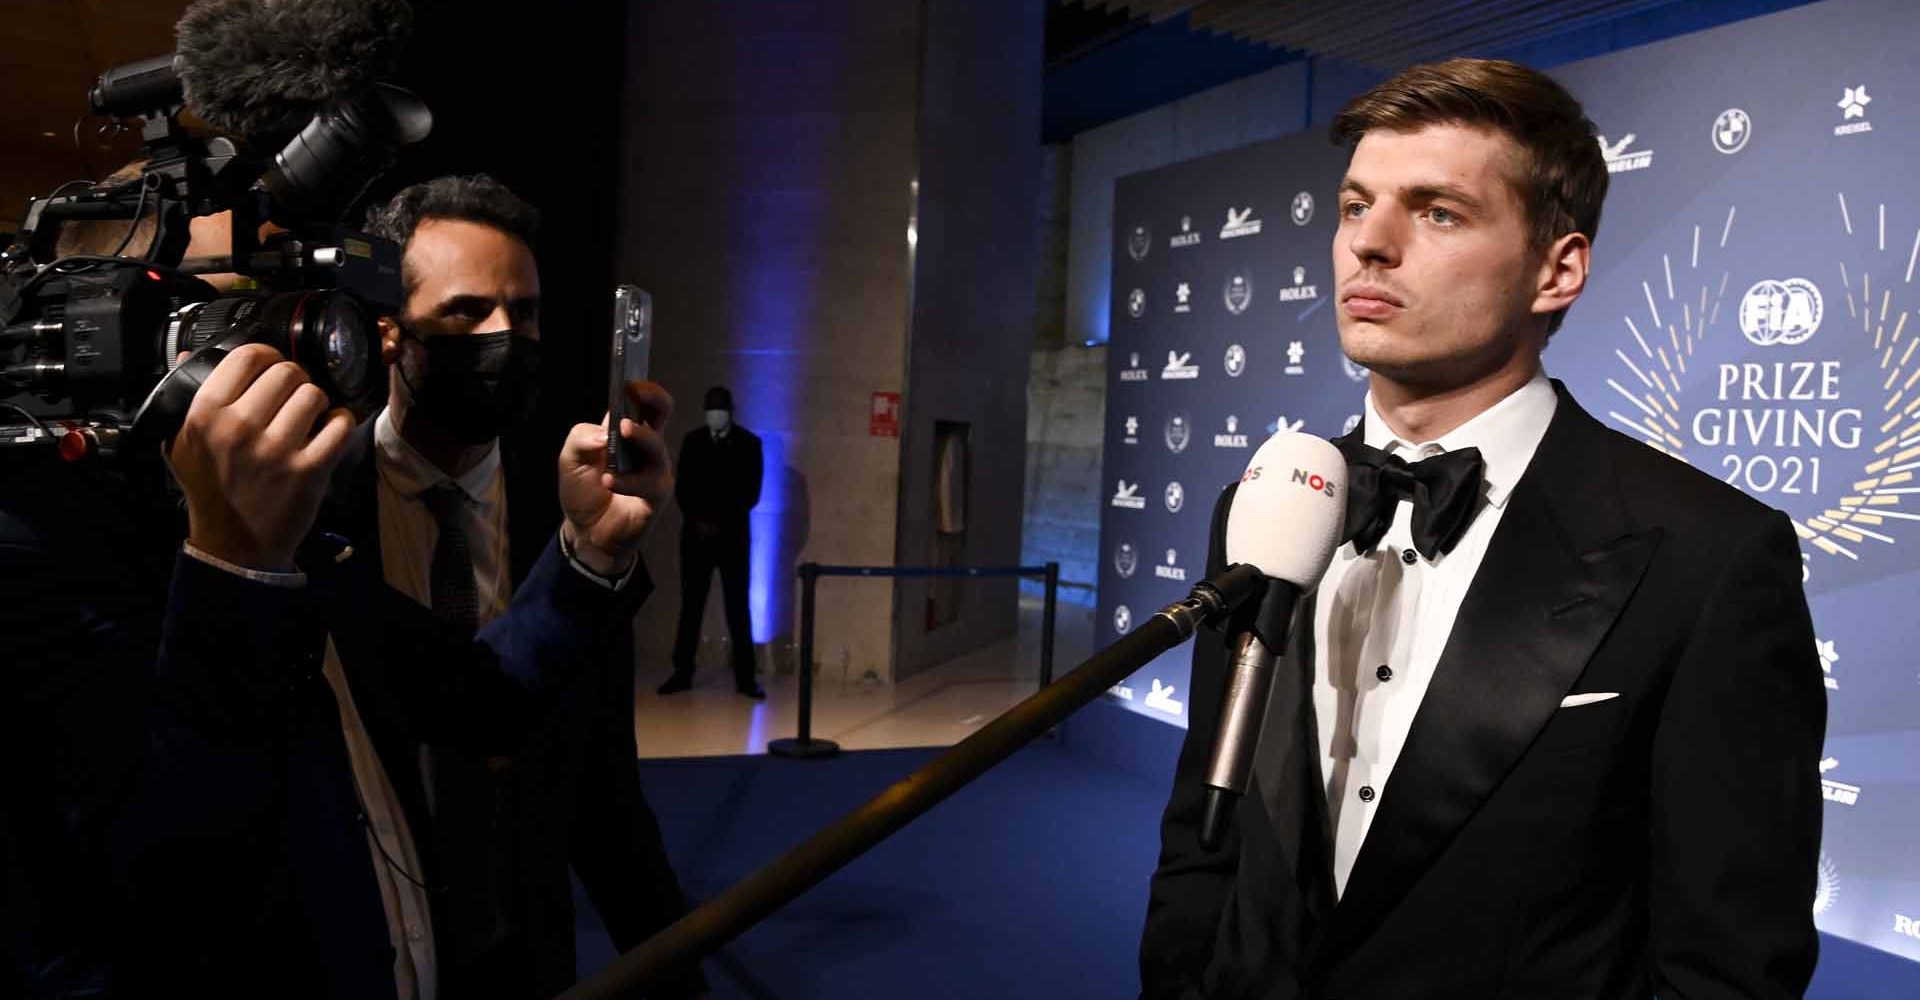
(1409, 556)
(1385, 673)
(1366, 793)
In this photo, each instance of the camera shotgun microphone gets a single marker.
(1286, 520)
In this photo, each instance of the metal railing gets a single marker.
(804, 746)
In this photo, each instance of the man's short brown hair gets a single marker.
(1565, 177)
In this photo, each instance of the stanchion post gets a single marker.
(1046, 624)
(805, 746)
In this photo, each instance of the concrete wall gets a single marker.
(767, 154)
(973, 295)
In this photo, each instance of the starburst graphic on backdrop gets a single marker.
(1677, 322)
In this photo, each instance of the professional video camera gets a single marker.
(88, 343)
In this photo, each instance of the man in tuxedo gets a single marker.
(1550, 726)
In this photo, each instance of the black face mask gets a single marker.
(475, 386)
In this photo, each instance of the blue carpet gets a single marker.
(1029, 883)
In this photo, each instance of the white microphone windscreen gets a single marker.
(1290, 509)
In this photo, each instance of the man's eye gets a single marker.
(1442, 216)
(1353, 209)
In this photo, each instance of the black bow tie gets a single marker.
(1445, 491)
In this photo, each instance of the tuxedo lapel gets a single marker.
(1557, 572)
(1286, 771)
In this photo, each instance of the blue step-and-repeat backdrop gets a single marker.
(1752, 311)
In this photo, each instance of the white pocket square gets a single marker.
(1576, 700)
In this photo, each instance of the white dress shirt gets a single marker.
(1383, 618)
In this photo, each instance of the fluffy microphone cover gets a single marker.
(263, 67)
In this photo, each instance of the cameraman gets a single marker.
(220, 782)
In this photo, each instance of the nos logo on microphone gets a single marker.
(1312, 481)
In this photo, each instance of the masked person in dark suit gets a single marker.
(1550, 726)
(428, 482)
(717, 487)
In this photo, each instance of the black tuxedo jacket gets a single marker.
(570, 795)
(1663, 842)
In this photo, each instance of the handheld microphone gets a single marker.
(1286, 520)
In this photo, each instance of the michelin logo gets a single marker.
(1161, 699)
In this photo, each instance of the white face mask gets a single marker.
(719, 420)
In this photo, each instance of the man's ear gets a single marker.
(389, 340)
(1563, 273)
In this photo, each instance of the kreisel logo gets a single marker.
(1137, 303)
(1835, 791)
(1235, 361)
(1125, 560)
(1127, 496)
(1171, 569)
(1180, 366)
(1179, 433)
(1176, 497)
(1161, 699)
(1133, 372)
(1238, 294)
(1186, 237)
(1354, 371)
(1183, 298)
(1296, 352)
(1282, 425)
(1828, 657)
(1123, 623)
(1132, 431)
(1232, 438)
(1300, 291)
(1139, 243)
(1302, 210)
(1782, 313)
(1619, 160)
(1240, 222)
(1853, 104)
(1731, 130)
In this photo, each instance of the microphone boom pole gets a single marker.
(754, 898)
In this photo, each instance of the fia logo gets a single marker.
(1235, 361)
(1828, 657)
(1133, 372)
(1179, 433)
(1731, 130)
(1281, 425)
(1240, 222)
(1125, 560)
(1172, 570)
(1301, 291)
(1296, 351)
(1302, 210)
(1783, 313)
(1238, 294)
(1161, 699)
(1834, 791)
(1176, 497)
(1853, 104)
(1619, 161)
(1182, 296)
(1127, 496)
(1180, 366)
(1122, 619)
(1232, 438)
(1139, 242)
(1133, 431)
(1186, 237)
(1137, 303)
(1354, 371)
(1827, 886)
